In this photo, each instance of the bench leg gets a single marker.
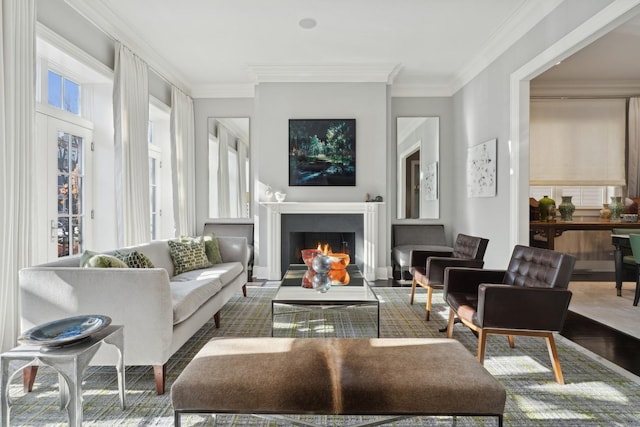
(160, 372)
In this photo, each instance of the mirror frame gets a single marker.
(238, 129)
(419, 135)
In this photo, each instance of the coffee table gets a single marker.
(351, 310)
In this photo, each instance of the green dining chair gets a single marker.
(634, 241)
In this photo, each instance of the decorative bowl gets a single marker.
(629, 217)
(65, 331)
(280, 196)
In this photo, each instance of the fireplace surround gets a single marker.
(366, 251)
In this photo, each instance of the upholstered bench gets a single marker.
(337, 376)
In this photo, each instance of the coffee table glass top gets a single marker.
(292, 292)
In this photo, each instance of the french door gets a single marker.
(65, 198)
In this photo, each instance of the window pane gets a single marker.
(76, 195)
(77, 235)
(63, 152)
(63, 236)
(76, 154)
(63, 194)
(54, 84)
(71, 96)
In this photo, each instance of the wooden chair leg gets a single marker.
(216, 319)
(429, 296)
(482, 345)
(29, 377)
(555, 361)
(512, 342)
(452, 317)
(413, 290)
(160, 372)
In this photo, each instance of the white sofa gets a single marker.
(159, 311)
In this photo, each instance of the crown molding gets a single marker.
(324, 73)
(103, 17)
(522, 21)
(585, 88)
(239, 90)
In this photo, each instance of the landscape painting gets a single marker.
(322, 152)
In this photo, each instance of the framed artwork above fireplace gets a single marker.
(322, 152)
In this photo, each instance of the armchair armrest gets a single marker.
(518, 307)
(467, 280)
(418, 258)
(436, 266)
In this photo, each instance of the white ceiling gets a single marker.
(209, 47)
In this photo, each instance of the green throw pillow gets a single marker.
(105, 261)
(134, 259)
(188, 256)
(211, 246)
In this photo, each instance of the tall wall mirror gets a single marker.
(229, 169)
(418, 154)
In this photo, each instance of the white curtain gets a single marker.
(131, 122)
(633, 178)
(243, 209)
(17, 149)
(223, 172)
(183, 162)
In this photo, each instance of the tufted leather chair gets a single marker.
(529, 298)
(427, 267)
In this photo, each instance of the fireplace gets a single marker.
(342, 232)
(328, 213)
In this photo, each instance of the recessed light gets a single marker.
(307, 23)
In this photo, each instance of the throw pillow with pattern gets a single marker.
(105, 261)
(211, 246)
(134, 259)
(187, 256)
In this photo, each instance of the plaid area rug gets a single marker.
(596, 392)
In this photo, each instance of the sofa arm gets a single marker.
(234, 249)
(138, 298)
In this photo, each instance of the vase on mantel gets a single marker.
(617, 207)
(566, 208)
(605, 212)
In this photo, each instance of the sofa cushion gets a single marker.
(226, 272)
(188, 256)
(134, 259)
(187, 296)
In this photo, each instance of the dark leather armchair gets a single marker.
(427, 267)
(529, 298)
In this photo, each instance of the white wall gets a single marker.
(482, 111)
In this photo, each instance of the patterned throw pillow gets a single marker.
(134, 259)
(211, 246)
(104, 261)
(188, 256)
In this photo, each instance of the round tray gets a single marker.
(65, 331)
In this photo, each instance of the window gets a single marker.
(155, 163)
(587, 197)
(70, 194)
(63, 93)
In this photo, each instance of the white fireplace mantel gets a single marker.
(369, 210)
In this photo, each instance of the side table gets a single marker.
(70, 362)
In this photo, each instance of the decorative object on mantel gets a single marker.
(547, 209)
(269, 193)
(481, 170)
(605, 212)
(617, 207)
(566, 208)
(280, 196)
(629, 217)
(375, 199)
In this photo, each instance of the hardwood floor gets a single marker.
(615, 346)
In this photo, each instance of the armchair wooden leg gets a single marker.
(413, 289)
(511, 340)
(555, 361)
(482, 345)
(452, 317)
(429, 296)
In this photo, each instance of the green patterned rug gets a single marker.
(596, 392)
